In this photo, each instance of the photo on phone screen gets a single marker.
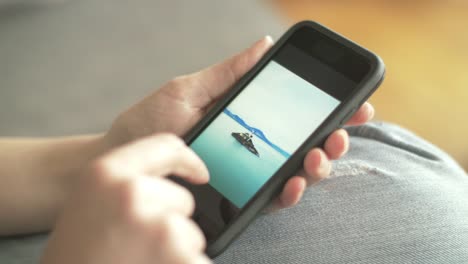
(259, 130)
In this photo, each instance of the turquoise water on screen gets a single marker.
(234, 171)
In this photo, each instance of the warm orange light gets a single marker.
(425, 47)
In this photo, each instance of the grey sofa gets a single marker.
(69, 67)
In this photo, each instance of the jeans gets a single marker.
(394, 198)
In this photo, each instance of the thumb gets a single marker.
(216, 80)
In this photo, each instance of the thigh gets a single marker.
(393, 199)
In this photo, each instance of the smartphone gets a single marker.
(256, 137)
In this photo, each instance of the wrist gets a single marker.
(75, 154)
(49, 170)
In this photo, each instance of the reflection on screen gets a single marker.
(258, 131)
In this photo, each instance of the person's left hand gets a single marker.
(183, 101)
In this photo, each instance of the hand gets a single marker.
(182, 102)
(125, 211)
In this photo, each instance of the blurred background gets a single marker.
(70, 67)
(424, 44)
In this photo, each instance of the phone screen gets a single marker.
(279, 108)
(259, 130)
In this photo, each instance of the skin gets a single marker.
(99, 191)
(131, 213)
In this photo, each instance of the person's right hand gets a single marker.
(125, 211)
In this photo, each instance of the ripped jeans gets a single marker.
(394, 198)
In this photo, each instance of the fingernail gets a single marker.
(268, 38)
(324, 165)
(345, 137)
(370, 110)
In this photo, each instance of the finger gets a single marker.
(363, 115)
(291, 194)
(190, 237)
(161, 155)
(316, 166)
(337, 144)
(202, 259)
(184, 240)
(217, 79)
(157, 195)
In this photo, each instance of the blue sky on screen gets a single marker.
(283, 105)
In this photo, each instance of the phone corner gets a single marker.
(378, 65)
(214, 249)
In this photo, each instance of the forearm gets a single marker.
(36, 175)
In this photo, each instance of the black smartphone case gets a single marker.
(337, 119)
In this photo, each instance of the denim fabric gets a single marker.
(394, 198)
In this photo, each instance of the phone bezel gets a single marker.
(335, 120)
